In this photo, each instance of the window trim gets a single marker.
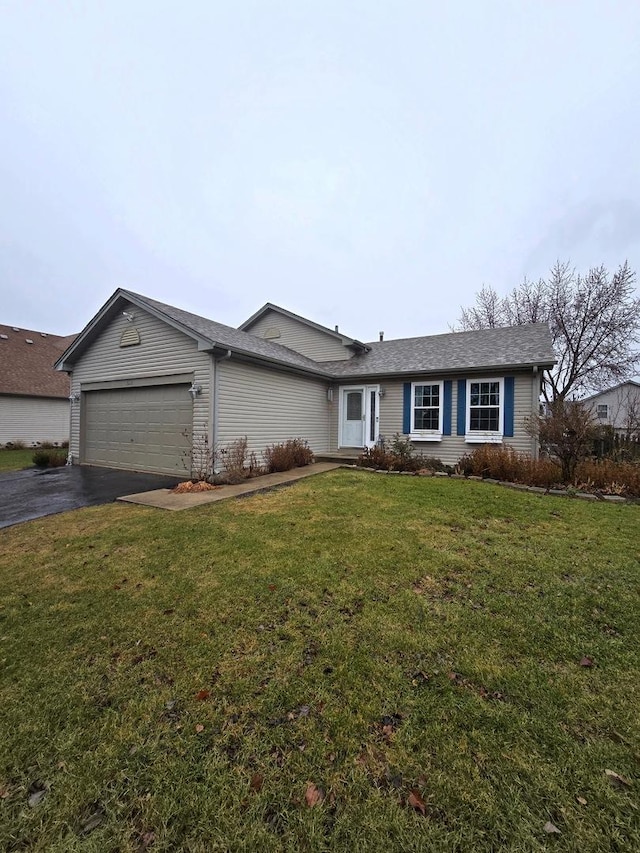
(427, 434)
(485, 436)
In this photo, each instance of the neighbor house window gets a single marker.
(484, 410)
(426, 411)
(603, 411)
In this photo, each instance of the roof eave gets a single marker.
(107, 313)
(220, 350)
(442, 371)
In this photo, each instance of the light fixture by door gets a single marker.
(195, 390)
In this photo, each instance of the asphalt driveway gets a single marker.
(33, 493)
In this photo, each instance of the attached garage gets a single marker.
(144, 428)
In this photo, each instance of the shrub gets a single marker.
(293, 453)
(432, 463)
(199, 457)
(566, 432)
(613, 478)
(376, 457)
(505, 463)
(49, 459)
(17, 444)
(397, 455)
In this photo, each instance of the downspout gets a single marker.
(69, 453)
(535, 441)
(216, 395)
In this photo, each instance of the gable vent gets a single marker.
(271, 333)
(130, 337)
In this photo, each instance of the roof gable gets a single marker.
(270, 308)
(27, 359)
(632, 383)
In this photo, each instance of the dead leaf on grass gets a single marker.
(202, 695)
(37, 793)
(416, 802)
(147, 839)
(199, 728)
(616, 780)
(93, 820)
(581, 800)
(586, 661)
(551, 828)
(257, 781)
(313, 795)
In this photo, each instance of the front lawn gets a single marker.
(355, 663)
(15, 460)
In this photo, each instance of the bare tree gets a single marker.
(566, 433)
(594, 321)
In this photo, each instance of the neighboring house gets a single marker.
(618, 407)
(147, 377)
(34, 397)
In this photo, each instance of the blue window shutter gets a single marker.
(406, 409)
(509, 383)
(446, 415)
(462, 406)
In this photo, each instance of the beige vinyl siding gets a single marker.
(33, 419)
(270, 406)
(162, 352)
(452, 447)
(302, 338)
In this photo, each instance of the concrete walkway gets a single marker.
(166, 499)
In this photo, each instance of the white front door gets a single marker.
(359, 416)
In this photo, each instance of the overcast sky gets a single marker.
(370, 164)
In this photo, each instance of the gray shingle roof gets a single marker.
(512, 346)
(228, 337)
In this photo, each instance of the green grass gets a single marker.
(373, 635)
(15, 460)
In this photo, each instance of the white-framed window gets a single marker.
(485, 410)
(602, 411)
(426, 411)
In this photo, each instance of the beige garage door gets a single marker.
(141, 429)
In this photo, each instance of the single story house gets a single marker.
(34, 398)
(618, 407)
(148, 378)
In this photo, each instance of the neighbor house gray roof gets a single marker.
(633, 382)
(512, 347)
(508, 347)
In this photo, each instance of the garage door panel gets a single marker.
(142, 429)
